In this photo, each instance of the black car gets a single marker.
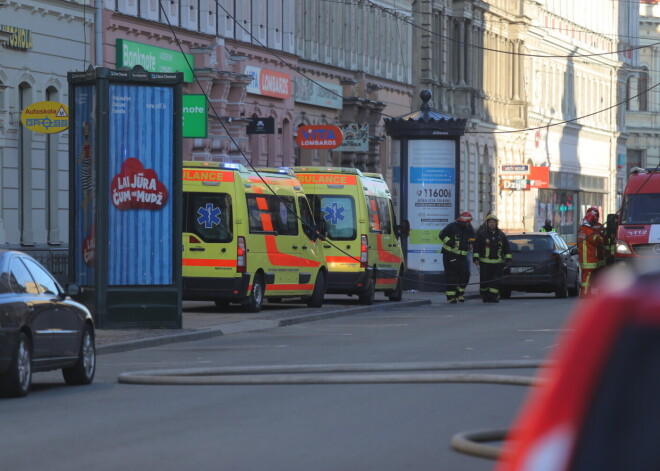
(41, 327)
(542, 263)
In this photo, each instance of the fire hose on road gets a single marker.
(367, 373)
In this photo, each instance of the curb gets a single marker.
(246, 326)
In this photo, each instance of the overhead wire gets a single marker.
(513, 53)
(297, 70)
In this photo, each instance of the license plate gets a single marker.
(521, 269)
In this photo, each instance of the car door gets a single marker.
(570, 261)
(66, 323)
(37, 315)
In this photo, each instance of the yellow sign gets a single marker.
(46, 117)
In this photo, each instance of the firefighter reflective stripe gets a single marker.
(446, 247)
(491, 260)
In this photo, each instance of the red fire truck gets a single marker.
(638, 222)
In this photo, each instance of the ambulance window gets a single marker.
(306, 216)
(384, 213)
(285, 219)
(375, 223)
(209, 216)
(273, 214)
(338, 213)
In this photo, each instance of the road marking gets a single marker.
(545, 330)
(367, 325)
(223, 347)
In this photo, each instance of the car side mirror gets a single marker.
(573, 250)
(612, 224)
(72, 289)
(403, 229)
(316, 232)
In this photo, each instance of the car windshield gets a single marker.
(530, 243)
(641, 208)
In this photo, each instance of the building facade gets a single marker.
(39, 43)
(541, 82)
(643, 105)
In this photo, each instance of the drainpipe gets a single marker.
(98, 33)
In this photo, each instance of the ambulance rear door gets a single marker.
(209, 244)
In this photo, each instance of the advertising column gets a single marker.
(126, 198)
(431, 200)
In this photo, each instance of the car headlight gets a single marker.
(622, 247)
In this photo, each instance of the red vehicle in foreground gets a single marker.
(598, 407)
(638, 222)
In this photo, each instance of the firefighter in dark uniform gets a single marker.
(455, 238)
(491, 253)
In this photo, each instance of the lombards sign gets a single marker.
(319, 137)
(269, 82)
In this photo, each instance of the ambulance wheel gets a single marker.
(397, 293)
(255, 300)
(367, 296)
(318, 295)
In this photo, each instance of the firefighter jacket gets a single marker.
(607, 245)
(456, 238)
(491, 246)
(590, 247)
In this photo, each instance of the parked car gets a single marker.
(41, 327)
(542, 263)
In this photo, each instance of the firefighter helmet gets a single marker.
(464, 217)
(591, 218)
(493, 217)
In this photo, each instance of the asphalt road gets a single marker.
(112, 426)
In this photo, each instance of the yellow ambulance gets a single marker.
(247, 236)
(362, 247)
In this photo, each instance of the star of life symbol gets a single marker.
(209, 216)
(334, 214)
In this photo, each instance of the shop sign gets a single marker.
(268, 82)
(19, 38)
(314, 92)
(539, 177)
(356, 138)
(46, 117)
(153, 58)
(195, 116)
(517, 184)
(510, 169)
(261, 126)
(319, 137)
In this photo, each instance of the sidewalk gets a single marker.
(204, 320)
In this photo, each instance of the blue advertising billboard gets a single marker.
(140, 172)
(85, 188)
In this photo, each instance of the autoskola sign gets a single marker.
(319, 137)
(46, 117)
